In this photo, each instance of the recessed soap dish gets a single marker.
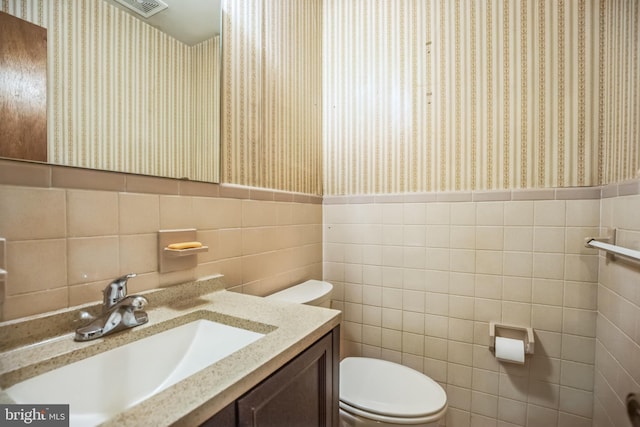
(178, 259)
(185, 252)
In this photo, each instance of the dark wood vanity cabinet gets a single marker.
(304, 392)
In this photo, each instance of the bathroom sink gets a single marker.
(101, 386)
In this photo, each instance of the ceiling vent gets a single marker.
(146, 8)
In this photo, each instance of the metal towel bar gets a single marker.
(614, 249)
(609, 244)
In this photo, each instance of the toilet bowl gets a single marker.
(382, 393)
(376, 392)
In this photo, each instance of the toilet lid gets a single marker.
(309, 292)
(387, 388)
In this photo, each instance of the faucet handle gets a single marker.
(138, 302)
(116, 290)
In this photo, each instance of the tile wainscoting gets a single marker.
(70, 231)
(419, 277)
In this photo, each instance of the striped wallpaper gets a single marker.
(378, 109)
(479, 95)
(123, 96)
(355, 97)
(204, 120)
(272, 92)
(619, 119)
(242, 92)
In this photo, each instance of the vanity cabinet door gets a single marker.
(302, 393)
(225, 418)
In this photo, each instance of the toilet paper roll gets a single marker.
(510, 350)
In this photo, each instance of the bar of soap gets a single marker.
(185, 245)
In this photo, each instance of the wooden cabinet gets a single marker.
(304, 392)
(23, 89)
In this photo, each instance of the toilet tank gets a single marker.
(311, 292)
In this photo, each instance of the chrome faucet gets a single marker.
(119, 311)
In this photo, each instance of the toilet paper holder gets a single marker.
(511, 331)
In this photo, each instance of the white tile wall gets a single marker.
(419, 282)
(617, 356)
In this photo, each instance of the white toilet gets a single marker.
(376, 392)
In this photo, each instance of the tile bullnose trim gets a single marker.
(361, 199)
(283, 197)
(87, 179)
(629, 188)
(41, 175)
(307, 198)
(530, 194)
(578, 193)
(234, 191)
(454, 196)
(30, 174)
(626, 188)
(609, 191)
(335, 200)
(25, 173)
(260, 194)
(392, 198)
(199, 188)
(237, 191)
(152, 185)
(492, 196)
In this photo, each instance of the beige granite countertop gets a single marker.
(289, 328)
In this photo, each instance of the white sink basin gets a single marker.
(101, 386)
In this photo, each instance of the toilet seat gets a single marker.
(388, 392)
(393, 420)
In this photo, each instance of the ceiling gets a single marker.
(190, 21)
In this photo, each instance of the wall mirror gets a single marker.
(128, 93)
